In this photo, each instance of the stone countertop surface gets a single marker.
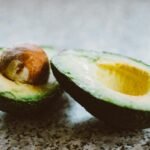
(121, 26)
(69, 127)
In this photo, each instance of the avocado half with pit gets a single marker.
(21, 98)
(114, 88)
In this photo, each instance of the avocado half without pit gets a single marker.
(114, 88)
(27, 85)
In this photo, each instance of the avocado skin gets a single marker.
(115, 116)
(32, 108)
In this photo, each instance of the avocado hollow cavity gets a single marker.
(124, 78)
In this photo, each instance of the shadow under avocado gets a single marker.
(55, 109)
(67, 114)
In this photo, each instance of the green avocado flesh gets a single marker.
(20, 97)
(112, 87)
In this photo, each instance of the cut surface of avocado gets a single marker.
(26, 92)
(106, 81)
(124, 78)
(25, 95)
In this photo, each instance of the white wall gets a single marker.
(110, 25)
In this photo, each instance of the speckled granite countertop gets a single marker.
(69, 128)
(112, 25)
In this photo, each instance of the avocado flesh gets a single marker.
(112, 87)
(16, 97)
(25, 92)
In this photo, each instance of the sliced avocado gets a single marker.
(114, 88)
(21, 98)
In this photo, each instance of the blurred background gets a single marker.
(111, 25)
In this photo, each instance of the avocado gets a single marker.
(22, 98)
(112, 87)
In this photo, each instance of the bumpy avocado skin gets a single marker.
(117, 117)
(30, 108)
(20, 108)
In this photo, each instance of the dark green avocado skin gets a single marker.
(117, 117)
(33, 108)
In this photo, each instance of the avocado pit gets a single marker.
(25, 63)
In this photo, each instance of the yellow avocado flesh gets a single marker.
(124, 78)
(26, 92)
